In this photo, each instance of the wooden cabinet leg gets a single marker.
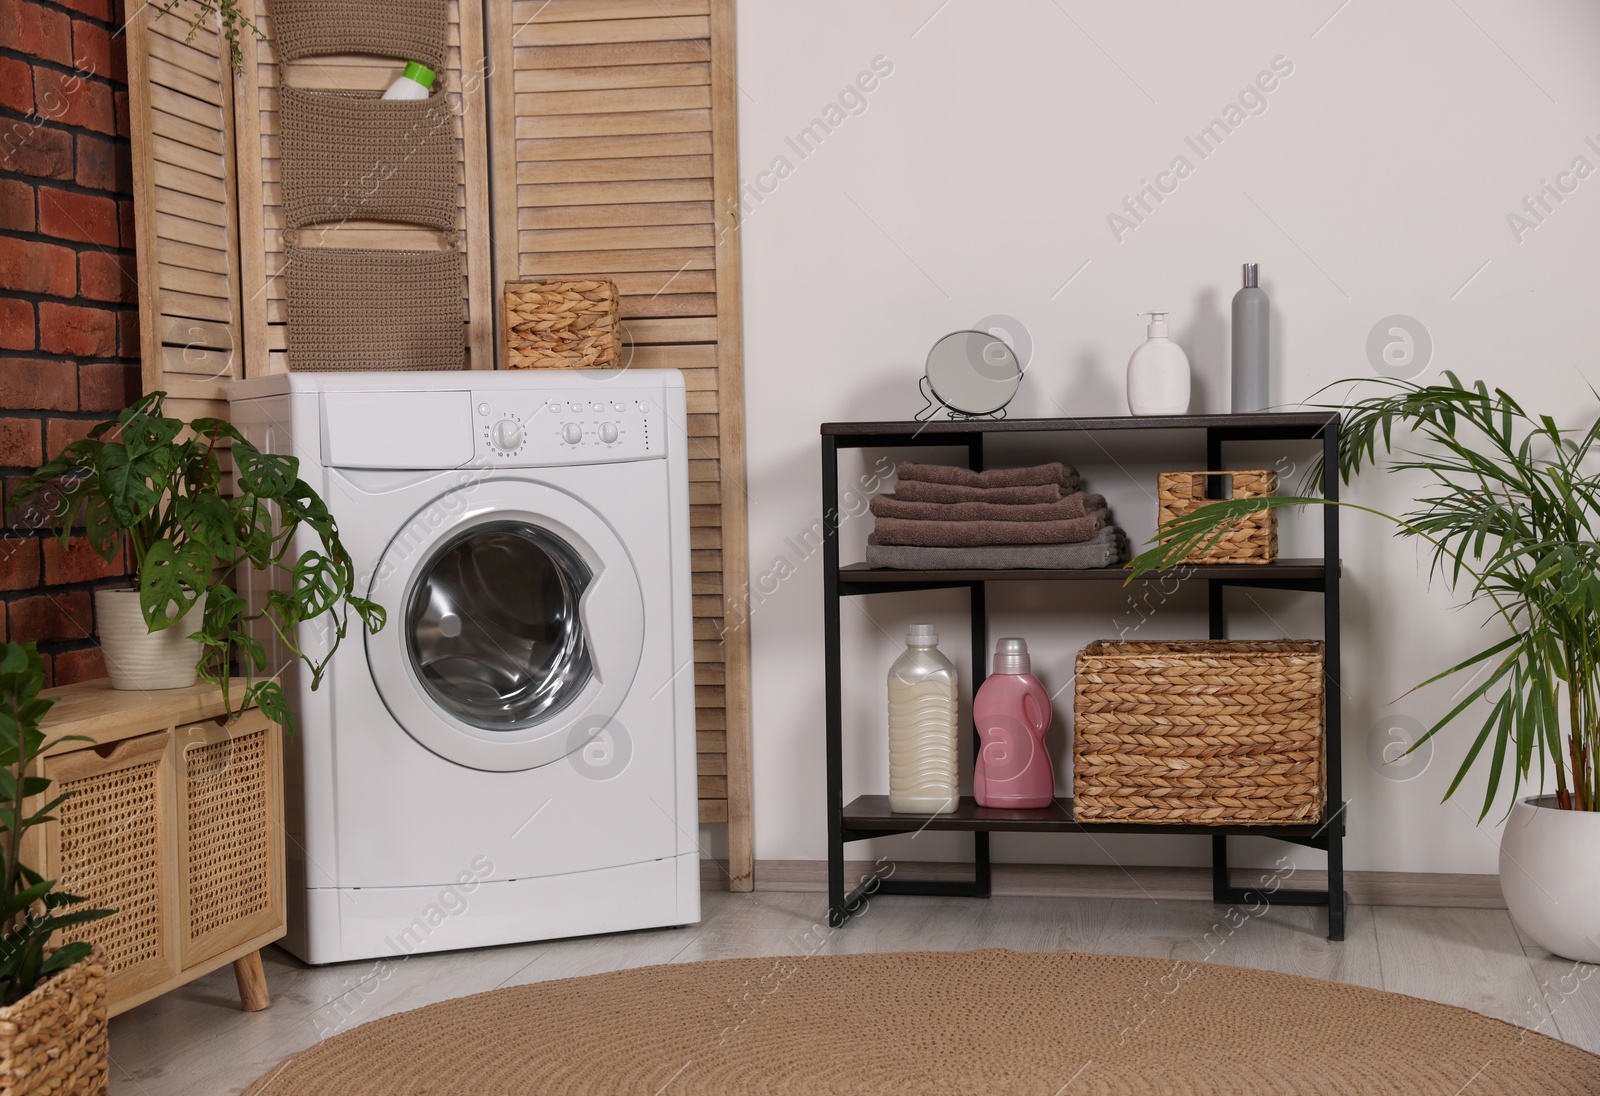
(252, 978)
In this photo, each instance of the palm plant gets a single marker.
(1510, 515)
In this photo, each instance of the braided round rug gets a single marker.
(928, 1023)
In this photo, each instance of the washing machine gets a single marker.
(511, 758)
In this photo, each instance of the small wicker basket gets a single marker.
(54, 1039)
(1208, 732)
(1252, 539)
(561, 325)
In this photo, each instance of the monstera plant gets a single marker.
(157, 488)
(1510, 511)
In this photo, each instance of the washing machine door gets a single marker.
(515, 625)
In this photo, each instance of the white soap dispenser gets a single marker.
(1158, 373)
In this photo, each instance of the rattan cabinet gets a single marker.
(869, 816)
(175, 821)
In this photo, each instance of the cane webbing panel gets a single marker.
(111, 855)
(230, 831)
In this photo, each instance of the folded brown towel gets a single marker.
(972, 534)
(1073, 506)
(1054, 472)
(1107, 548)
(920, 491)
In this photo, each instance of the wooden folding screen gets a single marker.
(609, 131)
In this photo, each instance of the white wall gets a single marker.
(977, 180)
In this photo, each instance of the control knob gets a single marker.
(608, 432)
(572, 433)
(506, 436)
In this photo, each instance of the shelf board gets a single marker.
(1300, 423)
(869, 816)
(1297, 571)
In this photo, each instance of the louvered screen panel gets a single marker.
(185, 223)
(615, 153)
(261, 198)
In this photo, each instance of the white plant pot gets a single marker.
(1548, 876)
(137, 658)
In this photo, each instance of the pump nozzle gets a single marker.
(1158, 324)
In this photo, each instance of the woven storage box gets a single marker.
(1207, 732)
(561, 325)
(406, 30)
(1252, 539)
(54, 1039)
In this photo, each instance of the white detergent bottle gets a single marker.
(416, 82)
(922, 728)
(1158, 373)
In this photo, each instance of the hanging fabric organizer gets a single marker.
(350, 155)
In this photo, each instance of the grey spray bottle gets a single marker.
(1250, 368)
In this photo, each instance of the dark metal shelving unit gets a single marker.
(869, 816)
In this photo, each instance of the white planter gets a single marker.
(1548, 876)
(137, 658)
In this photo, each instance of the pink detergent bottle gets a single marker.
(1012, 712)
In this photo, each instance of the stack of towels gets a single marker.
(941, 518)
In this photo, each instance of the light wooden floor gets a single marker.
(195, 1042)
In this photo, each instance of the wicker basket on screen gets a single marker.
(1252, 539)
(54, 1039)
(561, 325)
(1205, 732)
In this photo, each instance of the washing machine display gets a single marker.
(493, 626)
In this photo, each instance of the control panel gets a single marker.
(569, 427)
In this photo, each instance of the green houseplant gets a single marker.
(157, 488)
(54, 1000)
(1510, 514)
(231, 21)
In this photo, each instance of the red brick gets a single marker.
(86, 218)
(35, 150)
(16, 85)
(95, 9)
(59, 615)
(104, 276)
(79, 332)
(103, 165)
(20, 443)
(38, 31)
(71, 667)
(31, 384)
(91, 49)
(31, 267)
(107, 386)
(120, 101)
(128, 333)
(19, 563)
(72, 100)
(16, 205)
(77, 562)
(60, 433)
(16, 324)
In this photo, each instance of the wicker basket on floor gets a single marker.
(54, 1039)
(561, 325)
(1252, 539)
(1206, 732)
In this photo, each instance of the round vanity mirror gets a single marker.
(973, 372)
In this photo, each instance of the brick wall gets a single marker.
(69, 340)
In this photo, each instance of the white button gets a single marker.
(555, 406)
(483, 409)
(572, 433)
(608, 432)
(641, 405)
(574, 407)
(619, 407)
(597, 407)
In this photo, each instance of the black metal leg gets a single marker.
(1220, 883)
(833, 670)
(1333, 710)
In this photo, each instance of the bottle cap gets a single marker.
(1158, 324)
(922, 635)
(422, 74)
(1011, 657)
(1251, 274)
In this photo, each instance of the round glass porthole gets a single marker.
(492, 626)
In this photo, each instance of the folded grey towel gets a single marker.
(1073, 506)
(1054, 472)
(921, 491)
(1108, 549)
(977, 534)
